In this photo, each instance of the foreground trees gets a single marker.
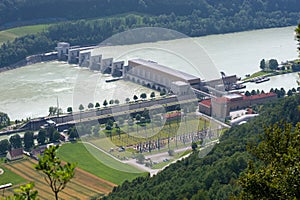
(56, 174)
(279, 175)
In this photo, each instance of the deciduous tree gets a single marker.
(279, 176)
(55, 173)
(41, 137)
(28, 140)
(15, 141)
(4, 146)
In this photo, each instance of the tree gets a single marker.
(15, 141)
(105, 103)
(117, 101)
(28, 140)
(247, 93)
(41, 137)
(53, 134)
(4, 146)
(162, 93)
(73, 133)
(152, 95)
(262, 64)
(140, 158)
(135, 98)
(253, 92)
(56, 174)
(278, 177)
(81, 107)
(290, 93)
(127, 100)
(111, 102)
(97, 105)
(143, 96)
(4, 120)
(194, 146)
(69, 109)
(90, 105)
(54, 110)
(273, 64)
(138, 117)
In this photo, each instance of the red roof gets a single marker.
(206, 102)
(260, 96)
(173, 114)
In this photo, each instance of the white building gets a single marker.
(157, 76)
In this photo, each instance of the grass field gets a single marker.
(10, 177)
(87, 158)
(11, 34)
(83, 186)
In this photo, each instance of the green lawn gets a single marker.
(10, 177)
(87, 158)
(11, 34)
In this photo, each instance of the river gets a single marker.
(29, 91)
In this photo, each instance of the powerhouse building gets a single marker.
(160, 77)
(220, 107)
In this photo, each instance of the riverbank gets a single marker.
(286, 68)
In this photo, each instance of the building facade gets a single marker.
(220, 107)
(159, 77)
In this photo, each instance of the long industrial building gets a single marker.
(160, 77)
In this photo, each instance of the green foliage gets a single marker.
(4, 146)
(191, 18)
(143, 96)
(279, 175)
(105, 103)
(69, 109)
(152, 95)
(194, 146)
(81, 107)
(273, 64)
(56, 175)
(41, 138)
(90, 105)
(140, 158)
(54, 110)
(26, 192)
(15, 141)
(262, 64)
(28, 140)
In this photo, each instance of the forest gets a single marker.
(216, 176)
(18, 11)
(78, 21)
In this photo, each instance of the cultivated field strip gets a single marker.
(83, 186)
